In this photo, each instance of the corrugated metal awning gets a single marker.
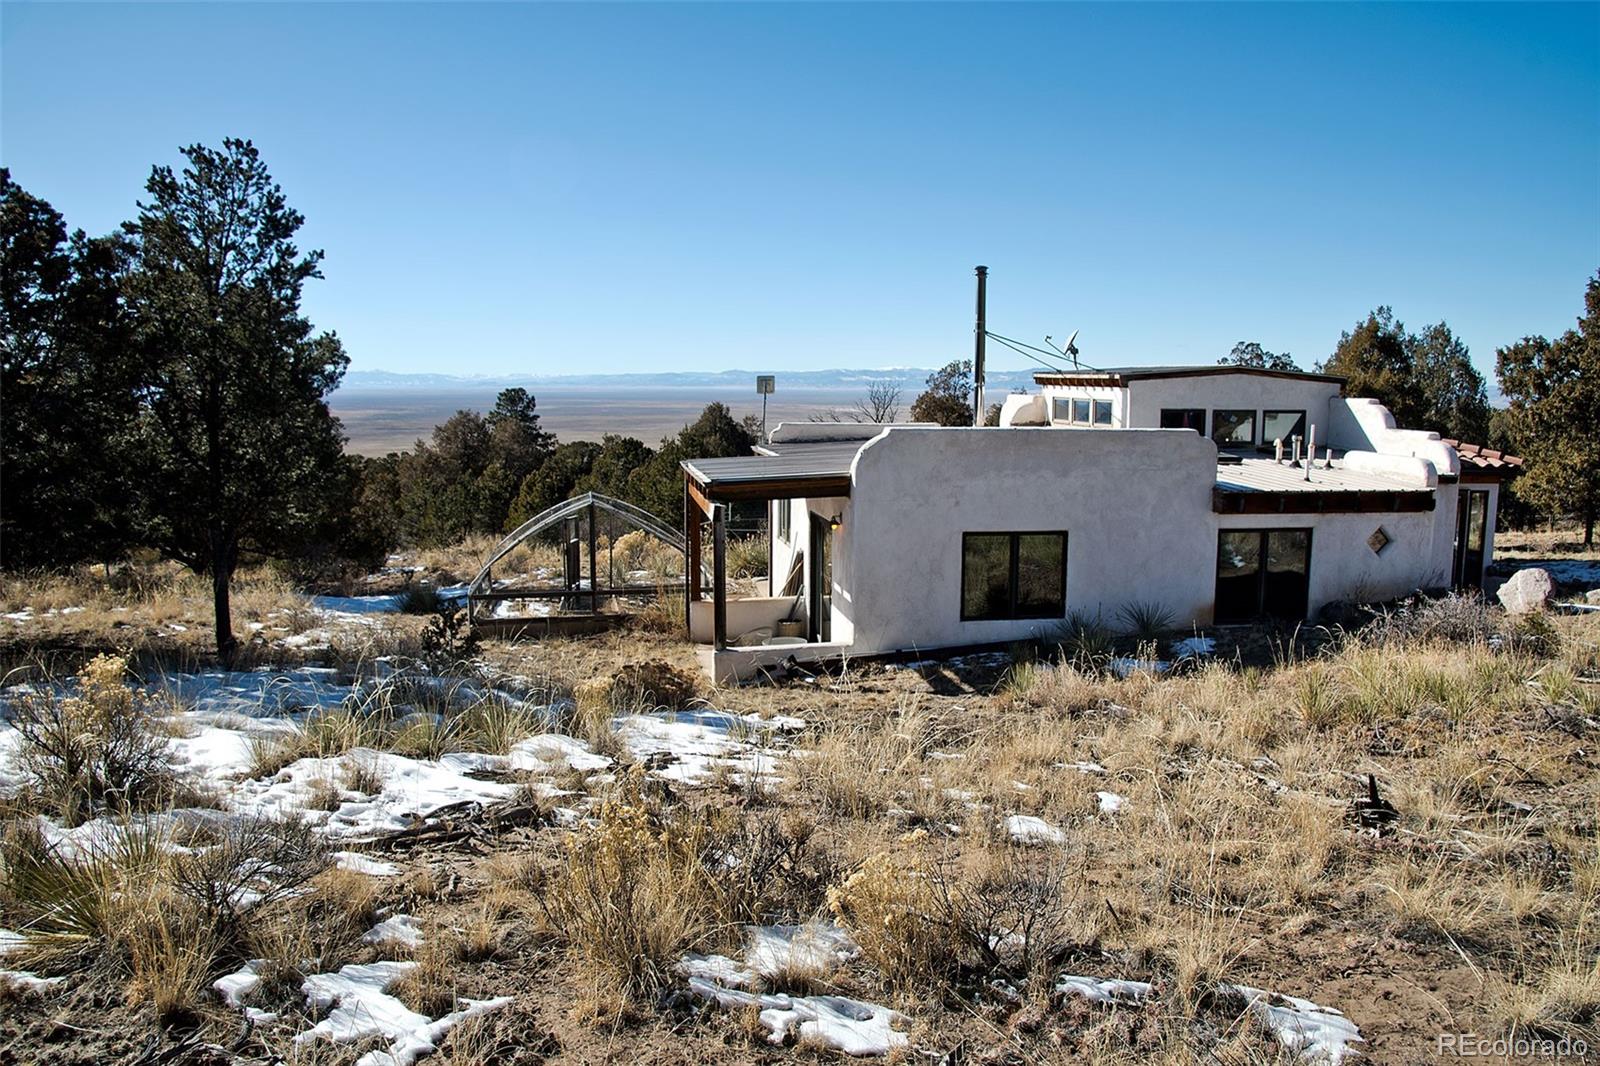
(807, 468)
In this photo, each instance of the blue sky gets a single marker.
(536, 189)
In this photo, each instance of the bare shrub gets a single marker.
(254, 862)
(93, 749)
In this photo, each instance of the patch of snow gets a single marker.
(347, 605)
(356, 862)
(234, 987)
(1316, 1033)
(1110, 802)
(1034, 832)
(28, 982)
(1081, 767)
(397, 928)
(413, 789)
(772, 950)
(1097, 991)
(1194, 648)
(848, 1025)
(1126, 666)
(1564, 571)
(549, 751)
(360, 1007)
(696, 742)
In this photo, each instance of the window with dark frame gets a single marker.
(1282, 425)
(1233, 428)
(1102, 412)
(1262, 573)
(1184, 418)
(1013, 575)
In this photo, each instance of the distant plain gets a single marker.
(379, 421)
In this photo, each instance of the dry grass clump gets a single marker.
(646, 883)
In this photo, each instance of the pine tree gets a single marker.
(236, 446)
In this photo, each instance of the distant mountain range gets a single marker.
(906, 377)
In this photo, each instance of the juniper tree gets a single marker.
(65, 385)
(1554, 415)
(235, 443)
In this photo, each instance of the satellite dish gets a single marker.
(1070, 349)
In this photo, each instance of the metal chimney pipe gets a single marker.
(1311, 448)
(981, 332)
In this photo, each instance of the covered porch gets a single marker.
(740, 636)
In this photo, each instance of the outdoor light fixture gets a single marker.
(833, 524)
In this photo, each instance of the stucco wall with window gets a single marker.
(1343, 564)
(1059, 405)
(1136, 507)
(1147, 397)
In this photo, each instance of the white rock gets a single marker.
(1527, 591)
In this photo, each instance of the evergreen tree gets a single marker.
(1454, 400)
(1554, 416)
(66, 385)
(948, 399)
(236, 448)
(1375, 361)
(1251, 354)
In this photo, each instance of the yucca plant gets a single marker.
(1145, 619)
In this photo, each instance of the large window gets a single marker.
(1282, 425)
(1184, 418)
(1013, 575)
(1262, 573)
(1233, 428)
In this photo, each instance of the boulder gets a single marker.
(1592, 596)
(1527, 591)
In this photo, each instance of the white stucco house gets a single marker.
(1186, 487)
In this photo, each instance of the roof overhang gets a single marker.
(1224, 501)
(1120, 378)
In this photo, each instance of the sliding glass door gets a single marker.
(1263, 573)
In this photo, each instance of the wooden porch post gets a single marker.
(719, 575)
(691, 553)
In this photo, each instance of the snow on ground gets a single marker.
(412, 790)
(849, 1025)
(358, 605)
(695, 743)
(1126, 666)
(356, 862)
(358, 1006)
(1580, 572)
(548, 752)
(1193, 648)
(1318, 1034)
(1110, 802)
(1028, 830)
(395, 929)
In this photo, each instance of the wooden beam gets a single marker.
(793, 488)
(719, 577)
(693, 492)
